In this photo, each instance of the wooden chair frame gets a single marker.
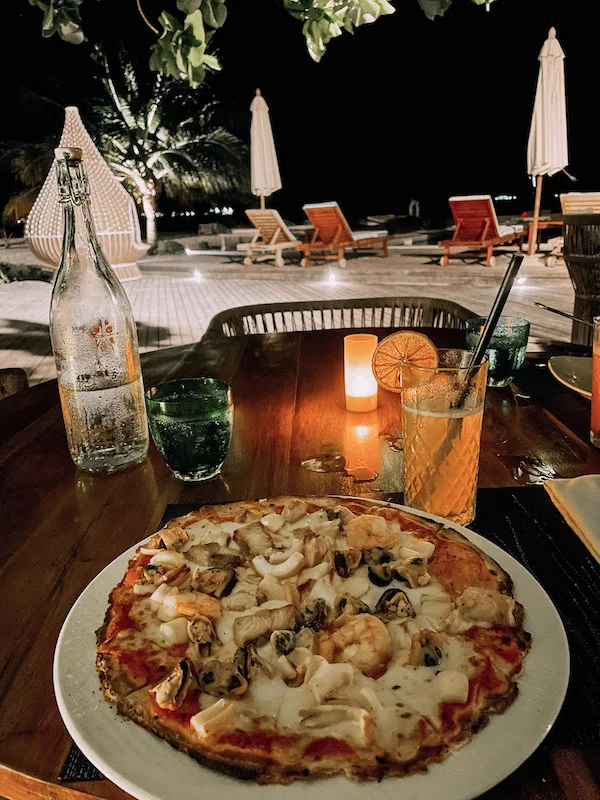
(488, 239)
(265, 246)
(333, 248)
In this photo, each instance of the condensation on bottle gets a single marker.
(94, 338)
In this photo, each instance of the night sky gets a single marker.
(404, 108)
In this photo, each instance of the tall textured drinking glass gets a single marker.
(507, 347)
(595, 420)
(191, 423)
(442, 412)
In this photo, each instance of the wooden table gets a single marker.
(61, 526)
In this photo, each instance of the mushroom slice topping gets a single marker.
(222, 679)
(294, 510)
(213, 581)
(199, 554)
(225, 561)
(173, 538)
(426, 649)
(348, 605)
(315, 548)
(313, 614)
(239, 601)
(346, 561)
(172, 690)
(200, 630)
(177, 576)
(394, 603)
(282, 618)
(248, 515)
(283, 642)
(413, 570)
(252, 539)
(250, 627)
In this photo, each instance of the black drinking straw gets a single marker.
(492, 321)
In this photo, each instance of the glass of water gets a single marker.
(507, 347)
(191, 422)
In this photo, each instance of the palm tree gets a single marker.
(159, 137)
(29, 164)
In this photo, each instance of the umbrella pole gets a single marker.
(262, 202)
(536, 216)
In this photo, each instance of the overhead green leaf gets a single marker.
(62, 17)
(436, 8)
(188, 6)
(326, 19)
(180, 50)
(214, 12)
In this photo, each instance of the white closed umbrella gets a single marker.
(264, 170)
(547, 149)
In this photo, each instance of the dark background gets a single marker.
(404, 108)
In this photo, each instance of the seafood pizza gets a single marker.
(303, 637)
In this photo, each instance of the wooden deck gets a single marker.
(178, 295)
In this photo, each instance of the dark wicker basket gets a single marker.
(582, 256)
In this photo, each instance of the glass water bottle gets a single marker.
(94, 339)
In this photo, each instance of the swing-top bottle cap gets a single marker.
(68, 153)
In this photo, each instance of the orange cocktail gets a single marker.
(595, 420)
(442, 413)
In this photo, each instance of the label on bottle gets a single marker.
(103, 335)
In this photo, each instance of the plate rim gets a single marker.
(122, 781)
(560, 379)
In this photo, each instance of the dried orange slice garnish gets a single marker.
(402, 347)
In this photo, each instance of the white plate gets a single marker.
(150, 769)
(574, 372)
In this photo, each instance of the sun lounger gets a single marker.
(477, 228)
(272, 237)
(580, 203)
(332, 235)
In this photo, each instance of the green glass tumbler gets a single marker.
(191, 422)
(507, 347)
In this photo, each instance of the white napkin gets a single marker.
(578, 500)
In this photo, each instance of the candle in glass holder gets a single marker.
(359, 382)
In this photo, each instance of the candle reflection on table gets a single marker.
(361, 448)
